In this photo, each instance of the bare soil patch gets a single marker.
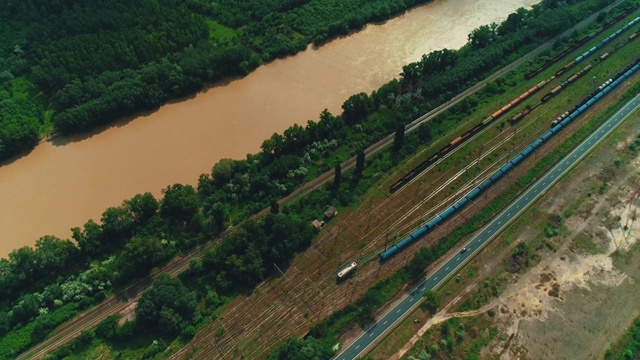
(585, 292)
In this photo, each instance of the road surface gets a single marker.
(125, 298)
(394, 315)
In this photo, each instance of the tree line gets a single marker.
(68, 67)
(144, 231)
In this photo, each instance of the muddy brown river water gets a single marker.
(65, 182)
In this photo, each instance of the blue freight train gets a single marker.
(473, 194)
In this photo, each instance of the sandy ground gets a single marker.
(578, 299)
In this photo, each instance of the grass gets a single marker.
(47, 127)
(456, 338)
(220, 32)
(490, 288)
(405, 330)
(584, 244)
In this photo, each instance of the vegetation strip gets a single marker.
(150, 232)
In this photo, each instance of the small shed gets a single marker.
(317, 224)
(330, 213)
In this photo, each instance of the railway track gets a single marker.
(125, 298)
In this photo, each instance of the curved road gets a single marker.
(508, 215)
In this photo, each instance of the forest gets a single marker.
(42, 287)
(68, 67)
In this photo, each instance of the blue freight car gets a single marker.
(445, 214)
(425, 229)
(473, 194)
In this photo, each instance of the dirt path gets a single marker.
(582, 296)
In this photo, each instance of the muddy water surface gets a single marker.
(63, 183)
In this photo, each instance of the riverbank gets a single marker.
(61, 184)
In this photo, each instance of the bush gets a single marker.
(108, 328)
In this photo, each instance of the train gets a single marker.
(417, 170)
(342, 274)
(554, 91)
(461, 139)
(562, 86)
(599, 45)
(607, 39)
(578, 44)
(576, 111)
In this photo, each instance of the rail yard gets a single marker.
(444, 185)
(308, 292)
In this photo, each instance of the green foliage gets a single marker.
(360, 162)
(627, 347)
(107, 328)
(299, 349)
(179, 205)
(635, 145)
(143, 207)
(337, 176)
(117, 226)
(140, 254)
(523, 257)
(490, 288)
(167, 306)
(107, 65)
(251, 253)
(431, 301)
(21, 338)
(398, 139)
(133, 232)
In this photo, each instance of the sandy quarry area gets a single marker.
(585, 291)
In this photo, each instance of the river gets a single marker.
(65, 182)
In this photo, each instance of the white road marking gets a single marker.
(411, 300)
(385, 322)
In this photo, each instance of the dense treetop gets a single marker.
(69, 66)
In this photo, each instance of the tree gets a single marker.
(140, 254)
(215, 215)
(4, 323)
(143, 207)
(179, 205)
(424, 132)
(24, 262)
(117, 225)
(54, 254)
(27, 308)
(90, 239)
(398, 140)
(337, 178)
(515, 21)
(107, 328)
(431, 302)
(168, 306)
(302, 349)
(360, 158)
(356, 108)
(275, 207)
(482, 36)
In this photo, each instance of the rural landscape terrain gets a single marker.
(297, 251)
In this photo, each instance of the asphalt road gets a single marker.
(125, 298)
(394, 315)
